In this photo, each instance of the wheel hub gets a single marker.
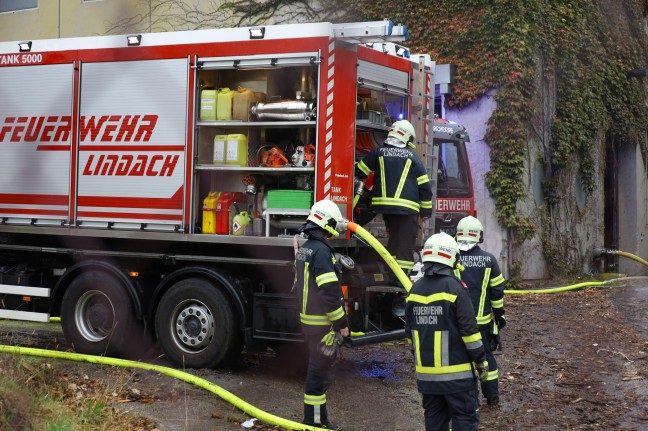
(195, 326)
(94, 315)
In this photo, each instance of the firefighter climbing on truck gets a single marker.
(401, 193)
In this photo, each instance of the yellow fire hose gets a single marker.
(382, 251)
(597, 253)
(558, 289)
(180, 375)
(233, 399)
(202, 383)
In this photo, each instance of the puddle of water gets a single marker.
(387, 372)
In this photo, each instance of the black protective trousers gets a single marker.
(459, 408)
(319, 376)
(403, 230)
(489, 388)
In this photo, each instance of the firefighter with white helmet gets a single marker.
(322, 312)
(446, 341)
(402, 192)
(486, 286)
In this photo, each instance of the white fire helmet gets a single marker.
(327, 215)
(470, 232)
(403, 131)
(440, 248)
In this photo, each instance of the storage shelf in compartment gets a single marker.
(258, 169)
(266, 124)
(367, 125)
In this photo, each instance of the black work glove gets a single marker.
(482, 371)
(500, 318)
(495, 343)
(330, 344)
(501, 322)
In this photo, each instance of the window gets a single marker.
(14, 5)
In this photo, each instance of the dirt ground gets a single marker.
(576, 360)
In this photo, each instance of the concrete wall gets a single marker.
(474, 117)
(72, 18)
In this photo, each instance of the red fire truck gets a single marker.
(151, 184)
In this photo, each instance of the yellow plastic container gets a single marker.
(209, 212)
(241, 101)
(224, 104)
(236, 150)
(208, 105)
(220, 149)
(240, 223)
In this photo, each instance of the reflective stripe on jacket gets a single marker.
(401, 185)
(485, 282)
(318, 286)
(445, 338)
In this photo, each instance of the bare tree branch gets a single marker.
(174, 15)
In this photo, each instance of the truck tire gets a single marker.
(97, 314)
(195, 325)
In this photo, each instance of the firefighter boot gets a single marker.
(492, 401)
(317, 415)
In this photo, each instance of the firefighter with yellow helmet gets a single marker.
(446, 342)
(486, 286)
(322, 315)
(401, 190)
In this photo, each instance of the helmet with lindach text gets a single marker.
(403, 133)
(325, 214)
(440, 248)
(470, 232)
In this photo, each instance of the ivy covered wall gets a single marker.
(560, 69)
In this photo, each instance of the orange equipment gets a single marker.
(273, 158)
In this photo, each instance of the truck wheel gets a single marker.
(195, 325)
(96, 314)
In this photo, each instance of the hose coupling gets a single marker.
(342, 225)
(598, 252)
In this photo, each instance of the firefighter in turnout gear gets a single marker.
(401, 190)
(486, 288)
(446, 342)
(321, 306)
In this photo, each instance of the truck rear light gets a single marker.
(25, 46)
(257, 33)
(134, 40)
(133, 274)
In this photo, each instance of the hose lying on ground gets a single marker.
(597, 253)
(197, 381)
(558, 289)
(180, 375)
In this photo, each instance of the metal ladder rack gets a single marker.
(423, 121)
